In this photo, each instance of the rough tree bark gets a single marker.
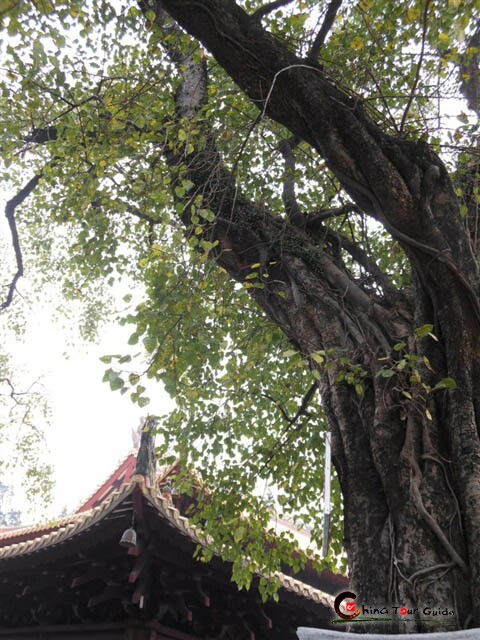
(409, 472)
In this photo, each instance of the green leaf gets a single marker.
(207, 214)
(316, 357)
(426, 362)
(149, 343)
(116, 382)
(133, 379)
(240, 532)
(424, 330)
(445, 383)
(385, 373)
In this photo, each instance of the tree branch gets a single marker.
(13, 394)
(300, 97)
(470, 72)
(10, 207)
(362, 258)
(292, 208)
(252, 234)
(302, 409)
(291, 422)
(314, 219)
(419, 66)
(42, 135)
(134, 211)
(268, 8)
(327, 24)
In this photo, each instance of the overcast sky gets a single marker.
(90, 429)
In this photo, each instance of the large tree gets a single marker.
(286, 173)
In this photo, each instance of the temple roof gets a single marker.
(73, 569)
(67, 528)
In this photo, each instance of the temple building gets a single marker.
(122, 566)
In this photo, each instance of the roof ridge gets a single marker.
(82, 520)
(55, 523)
(79, 522)
(121, 461)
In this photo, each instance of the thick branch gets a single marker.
(382, 174)
(402, 184)
(327, 24)
(10, 207)
(248, 234)
(294, 93)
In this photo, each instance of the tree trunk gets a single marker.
(407, 455)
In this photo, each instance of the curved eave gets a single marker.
(109, 508)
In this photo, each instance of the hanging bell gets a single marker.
(129, 538)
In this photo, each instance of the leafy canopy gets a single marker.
(88, 105)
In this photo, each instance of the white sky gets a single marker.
(91, 426)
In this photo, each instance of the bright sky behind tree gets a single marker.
(89, 428)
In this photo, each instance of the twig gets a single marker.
(327, 23)
(10, 207)
(279, 406)
(302, 409)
